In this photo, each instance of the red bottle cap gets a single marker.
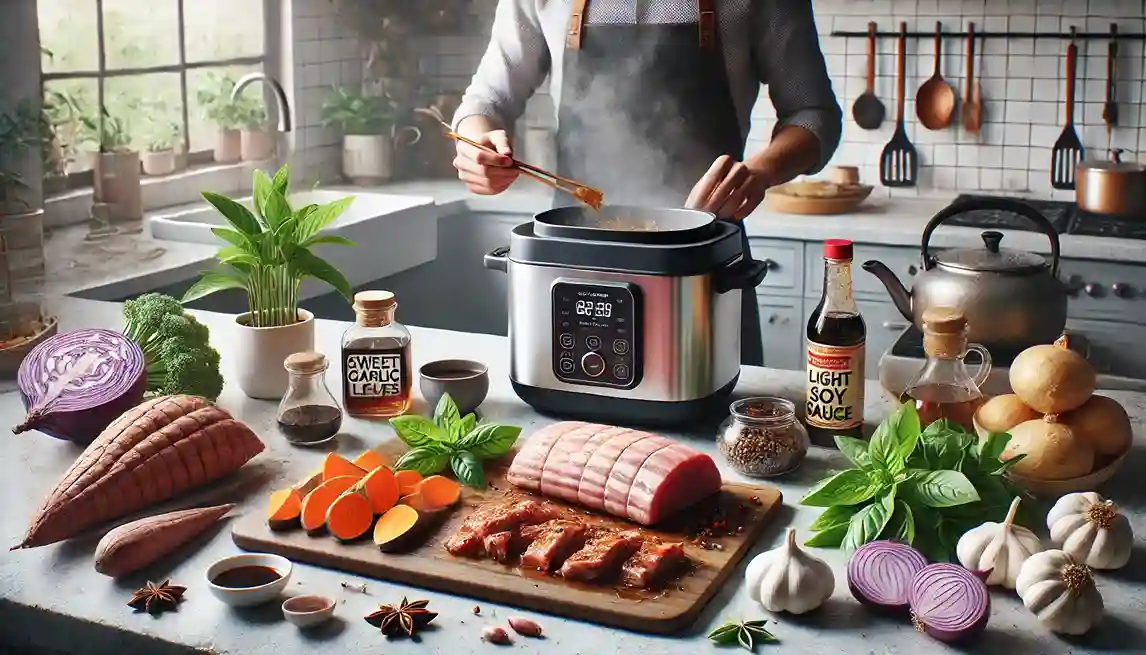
(838, 249)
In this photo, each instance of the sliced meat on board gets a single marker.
(655, 562)
(470, 539)
(551, 543)
(601, 557)
(635, 475)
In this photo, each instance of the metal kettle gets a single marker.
(1012, 298)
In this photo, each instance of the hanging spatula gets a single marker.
(1068, 150)
(899, 163)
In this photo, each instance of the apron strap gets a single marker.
(706, 23)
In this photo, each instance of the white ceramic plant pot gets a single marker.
(257, 145)
(159, 163)
(367, 158)
(228, 146)
(260, 353)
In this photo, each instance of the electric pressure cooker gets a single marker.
(628, 315)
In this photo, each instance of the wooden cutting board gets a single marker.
(431, 567)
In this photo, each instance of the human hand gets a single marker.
(483, 172)
(730, 189)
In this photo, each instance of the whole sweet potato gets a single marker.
(160, 448)
(134, 545)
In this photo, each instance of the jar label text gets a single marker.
(373, 375)
(835, 386)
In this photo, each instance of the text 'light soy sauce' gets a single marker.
(836, 339)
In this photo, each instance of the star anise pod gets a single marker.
(405, 619)
(156, 598)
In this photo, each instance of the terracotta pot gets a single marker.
(159, 163)
(257, 145)
(117, 185)
(262, 351)
(228, 146)
(11, 357)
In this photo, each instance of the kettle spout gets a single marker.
(899, 294)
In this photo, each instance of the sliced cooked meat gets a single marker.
(655, 562)
(499, 546)
(525, 471)
(601, 557)
(625, 471)
(552, 542)
(591, 488)
(469, 540)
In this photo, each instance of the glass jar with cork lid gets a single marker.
(945, 388)
(308, 414)
(762, 437)
(376, 363)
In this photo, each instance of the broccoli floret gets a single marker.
(145, 314)
(192, 372)
(179, 358)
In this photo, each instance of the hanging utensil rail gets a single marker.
(1065, 36)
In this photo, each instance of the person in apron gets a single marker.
(646, 115)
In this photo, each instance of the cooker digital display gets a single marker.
(596, 333)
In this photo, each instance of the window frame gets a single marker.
(85, 179)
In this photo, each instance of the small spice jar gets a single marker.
(308, 414)
(762, 437)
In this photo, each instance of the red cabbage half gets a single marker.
(880, 574)
(949, 603)
(76, 383)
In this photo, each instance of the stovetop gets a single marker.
(1065, 216)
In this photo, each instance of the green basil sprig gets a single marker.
(451, 440)
(921, 486)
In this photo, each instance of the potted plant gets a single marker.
(163, 145)
(268, 255)
(215, 99)
(257, 143)
(116, 172)
(369, 133)
(22, 323)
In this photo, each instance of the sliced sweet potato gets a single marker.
(398, 529)
(408, 482)
(439, 492)
(134, 545)
(284, 508)
(380, 487)
(369, 460)
(350, 516)
(336, 466)
(316, 503)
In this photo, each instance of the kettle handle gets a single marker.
(1001, 204)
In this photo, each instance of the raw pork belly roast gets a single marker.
(628, 473)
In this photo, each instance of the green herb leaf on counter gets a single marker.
(447, 416)
(745, 634)
(426, 460)
(490, 440)
(922, 485)
(417, 431)
(468, 469)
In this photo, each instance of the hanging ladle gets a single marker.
(935, 101)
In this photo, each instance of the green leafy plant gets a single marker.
(109, 133)
(450, 439)
(21, 131)
(924, 487)
(745, 634)
(214, 96)
(164, 136)
(357, 113)
(180, 359)
(269, 250)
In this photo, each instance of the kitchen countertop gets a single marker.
(51, 598)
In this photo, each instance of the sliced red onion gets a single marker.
(880, 574)
(76, 383)
(949, 603)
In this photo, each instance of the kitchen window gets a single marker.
(154, 66)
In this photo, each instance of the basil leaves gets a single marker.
(922, 486)
(450, 440)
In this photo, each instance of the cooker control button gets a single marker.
(593, 342)
(593, 364)
(621, 372)
(567, 366)
(621, 347)
(566, 340)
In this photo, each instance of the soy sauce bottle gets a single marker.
(836, 336)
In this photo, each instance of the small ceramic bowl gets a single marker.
(308, 611)
(466, 381)
(249, 596)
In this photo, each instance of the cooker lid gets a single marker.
(626, 224)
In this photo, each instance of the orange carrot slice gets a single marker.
(408, 482)
(397, 529)
(318, 501)
(336, 465)
(349, 517)
(369, 460)
(439, 492)
(284, 509)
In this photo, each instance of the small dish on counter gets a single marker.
(817, 197)
(466, 381)
(249, 579)
(308, 611)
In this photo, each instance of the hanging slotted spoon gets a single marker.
(899, 163)
(1068, 150)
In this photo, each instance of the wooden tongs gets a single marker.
(585, 194)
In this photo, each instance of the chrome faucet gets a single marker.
(276, 88)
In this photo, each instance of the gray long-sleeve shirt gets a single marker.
(774, 42)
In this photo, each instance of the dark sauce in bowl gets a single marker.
(246, 577)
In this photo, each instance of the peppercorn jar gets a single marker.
(762, 437)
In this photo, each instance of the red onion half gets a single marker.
(76, 383)
(949, 603)
(880, 574)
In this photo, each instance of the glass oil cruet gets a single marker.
(945, 388)
(308, 414)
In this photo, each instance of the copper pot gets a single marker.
(1111, 187)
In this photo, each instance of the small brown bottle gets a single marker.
(376, 375)
(836, 337)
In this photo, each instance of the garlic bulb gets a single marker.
(1090, 529)
(786, 579)
(1000, 548)
(1060, 592)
